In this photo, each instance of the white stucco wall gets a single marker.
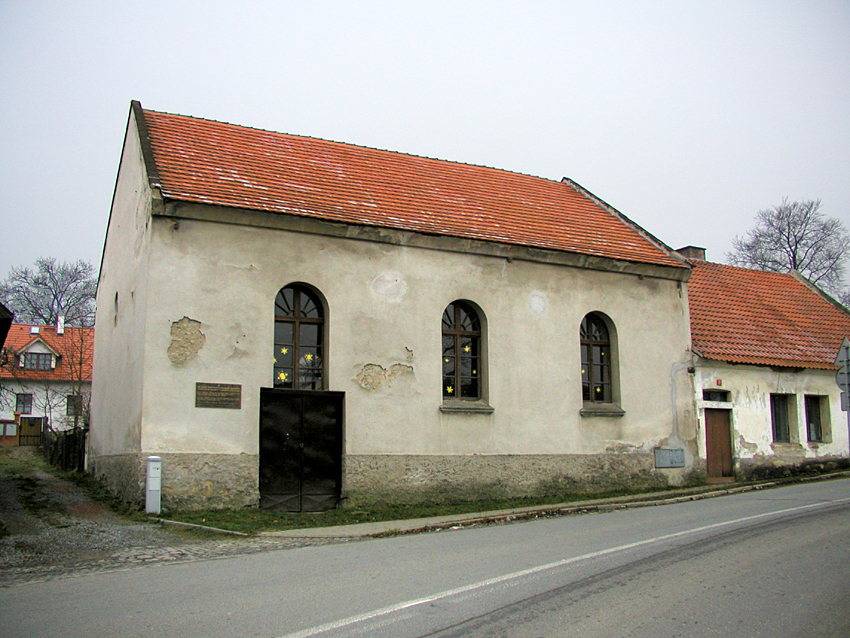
(385, 304)
(49, 399)
(117, 380)
(750, 388)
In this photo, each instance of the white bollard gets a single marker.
(153, 485)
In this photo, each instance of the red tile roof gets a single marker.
(75, 347)
(763, 318)
(208, 162)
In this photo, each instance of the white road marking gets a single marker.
(391, 609)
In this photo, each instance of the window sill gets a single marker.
(601, 409)
(458, 406)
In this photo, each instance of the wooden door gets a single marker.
(29, 432)
(718, 446)
(300, 450)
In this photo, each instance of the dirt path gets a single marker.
(51, 528)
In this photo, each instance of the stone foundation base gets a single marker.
(764, 468)
(189, 481)
(439, 479)
(210, 481)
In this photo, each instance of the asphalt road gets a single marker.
(766, 563)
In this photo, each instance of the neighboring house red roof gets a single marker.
(202, 161)
(75, 349)
(763, 318)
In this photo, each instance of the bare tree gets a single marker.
(51, 289)
(797, 236)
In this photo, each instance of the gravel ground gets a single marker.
(68, 534)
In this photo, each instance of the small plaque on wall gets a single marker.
(218, 395)
(669, 458)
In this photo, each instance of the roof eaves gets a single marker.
(147, 148)
(628, 222)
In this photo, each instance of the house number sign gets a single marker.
(218, 395)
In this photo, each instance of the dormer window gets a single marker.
(37, 361)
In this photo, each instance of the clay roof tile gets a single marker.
(762, 318)
(209, 162)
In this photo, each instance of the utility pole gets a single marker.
(842, 378)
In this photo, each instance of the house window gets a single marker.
(816, 418)
(23, 403)
(596, 383)
(74, 405)
(299, 326)
(780, 418)
(461, 352)
(37, 361)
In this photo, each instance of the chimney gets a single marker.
(60, 325)
(692, 252)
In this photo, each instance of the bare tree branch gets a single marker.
(797, 236)
(50, 289)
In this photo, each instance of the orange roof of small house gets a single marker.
(203, 161)
(755, 317)
(75, 349)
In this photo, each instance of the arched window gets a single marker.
(299, 326)
(596, 384)
(461, 352)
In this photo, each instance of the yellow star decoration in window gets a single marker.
(275, 359)
(449, 389)
(447, 360)
(284, 350)
(283, 376)
(309, 357)
(466, 348)
(475, 372)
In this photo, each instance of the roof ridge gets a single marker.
(744, 268)
(361, 146)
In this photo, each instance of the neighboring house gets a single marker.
(764, 346)
(45, 377)
(289, 321)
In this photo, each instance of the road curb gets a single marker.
(384, 529)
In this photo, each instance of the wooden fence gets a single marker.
(65, 449)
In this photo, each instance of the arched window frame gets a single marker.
(599, 365)
(299, 339)
(464, 358)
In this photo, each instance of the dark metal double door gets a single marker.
(300, 449)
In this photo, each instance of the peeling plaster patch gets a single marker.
(186, 340)
(622, 448)
(238, 337)
(372, 376)
(389, 285)
(745, 445)
(538, 303)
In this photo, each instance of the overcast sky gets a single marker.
(688, 117)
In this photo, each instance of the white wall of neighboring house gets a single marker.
(749, 390)
(49, 399)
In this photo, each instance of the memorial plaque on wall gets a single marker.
(218, 395)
